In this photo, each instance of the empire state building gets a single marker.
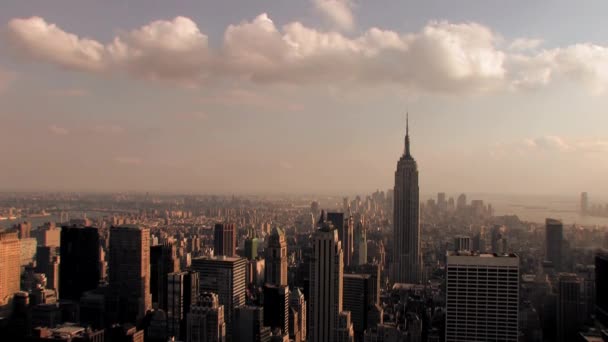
(407, 259)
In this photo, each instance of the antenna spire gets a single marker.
(407, 134)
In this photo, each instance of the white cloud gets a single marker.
(58, 130)
(524, 44)
(42, 41)
(338, 12)
(443, 57)
(548, 142)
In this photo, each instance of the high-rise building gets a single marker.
(163, 260)
(554, 242)
(249, 322)
(276, 307)
(482, 297)
(407, 257)
(226, 277)
(358, 299)
(442, 204)
(344, 329)
(48, 235)
(47, 263)
(24, 229)
(569, 316)
(10, 269)
(462, 243)
(80, 264)
(182, 293)
(461, 202)
(601, 282)
(326, 271)
(276, 258)
(206, 320)
(251, 247)
(224, 242)
(345, 227)
(297, 303)
(360, 241)
(584, 203)
(129, 273)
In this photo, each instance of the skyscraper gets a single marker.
(358, 298)
(163, 260)
(360, 242)
(345, 227)
(569, 303)
(326, 271)
(226, 277)
(10, 270)
(584, 203)
(407, 258)
(554, 240)
(182, 293)
(80, 264)
(47, 263)
(297, 302)
(276, 291)
(224, 242)
(129, 273)
(276, 258)
(482, 297)
(249, 321)
(206, 320)
(601, 282)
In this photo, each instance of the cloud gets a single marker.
(524, 44)
(443, 57)
(338, 12)
(133, 161)
(242, 97)
(548, 142)
(58, 130)
(39, 40)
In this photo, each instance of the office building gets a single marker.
(345, 227)
(47, 263)
(601, 282)
(358, 300)
(569, 315)
(462, 243)
(182, 293)
(276, 307)
(163, 260)
(48, 235)
(297, 318)
(205, 321)
(407, 257)
(79, 271)
(224, 240)
(249, 322)
(326, 283)
(129, 273)
(10, 269)
(554, 233)
(482, 297)
(275, 257)
(226, 277)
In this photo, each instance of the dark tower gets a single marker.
(79, 271)
(407, 260)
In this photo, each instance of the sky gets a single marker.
(307, 96)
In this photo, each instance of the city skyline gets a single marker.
(117, 119)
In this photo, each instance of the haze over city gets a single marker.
(303, 96)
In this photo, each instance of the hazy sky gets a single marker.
(303, 96)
